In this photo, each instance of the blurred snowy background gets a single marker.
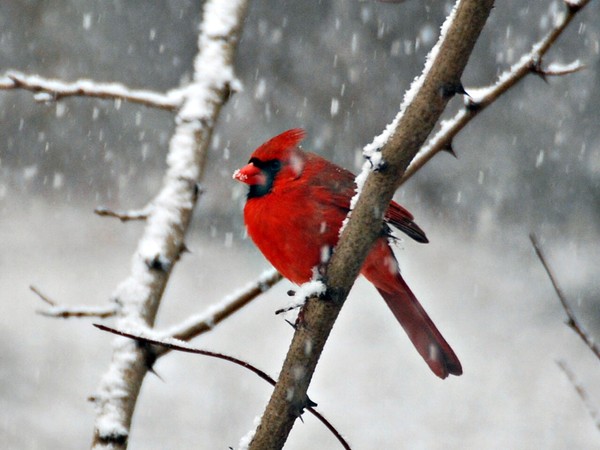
(529, 163)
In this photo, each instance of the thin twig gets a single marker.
(124, 216)
(42, 296)
(572, 320)
(48, 90)
(67, 312)
(480, 99)
(175, 344)
(581, 391)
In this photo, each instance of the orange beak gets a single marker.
(250, 174)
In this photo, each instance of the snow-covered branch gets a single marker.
(49, 90)
(66, 312)
(479, 99)
(421, 109)
(125, 216)
(163, 238)
(203, 322)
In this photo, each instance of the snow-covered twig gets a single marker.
(572, 320)
(48, 90)
(581, 392)
(479, 99)
(125, 216)
(201, 323)
(163, 238)
(66, 312)
(168, 344)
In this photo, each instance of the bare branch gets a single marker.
(124, 216)
(162, 241)
(42, 296)
(49, 90)
(479, 99)
(168, 344)
(67, 312)
(201, 323)
(572, 321)
(581, 391)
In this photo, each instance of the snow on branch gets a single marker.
(201, 323)
(477, 100)
(163, 237)
(124, 216)
(421, 110)
(66, 312)
(49, 90)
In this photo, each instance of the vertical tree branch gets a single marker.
(420, 111)
(162, 241)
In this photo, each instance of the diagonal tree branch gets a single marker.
(175, 344)
(421, 109)
(47, 90)
(480, 99)
(66, 312)
(201, 323)
(163, 237)
(572, 320)
(582, 393)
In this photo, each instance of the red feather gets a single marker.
(295, 208)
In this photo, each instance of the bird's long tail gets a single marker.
(421, 330)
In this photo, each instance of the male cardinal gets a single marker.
(295, 208)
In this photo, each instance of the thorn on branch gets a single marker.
(450, 149)
(289, 322)
(381, 167)
(573, 7)
(198, 190)
(473, 105)
(159, 262)
(536, 69)
(451, 89)
(150, 357)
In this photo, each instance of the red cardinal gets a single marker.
(295, 208)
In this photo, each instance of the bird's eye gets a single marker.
(275, 165)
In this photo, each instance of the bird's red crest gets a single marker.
(276, 147)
